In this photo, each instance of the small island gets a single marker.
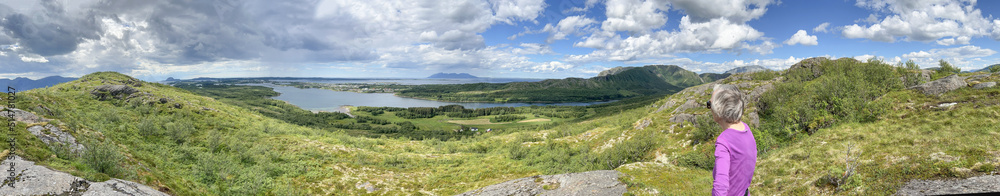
(451, 76)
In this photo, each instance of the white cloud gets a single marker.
(634, 15)
(801, 37)
(821, 27)
(532, 48)
(509, 11)
(126, 37)
(566, 26)
(738, 11)
(715, 67)
(500, 58)
(864, 58)
(960, 40)
(709, 26)
(33, 58)
(959, 56)
(922, 20)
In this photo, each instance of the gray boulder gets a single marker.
(54, 137)
(942, 85)
(680, 118)
(34, 179)
(687, 105)
(978, 77)
(984, 85)
(105, 92)
(666, 105)
(754, 119)
(811, 64)
(978, 184)
(22, 116)
(601, 182)
(757, 92)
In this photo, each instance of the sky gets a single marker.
(153, 40)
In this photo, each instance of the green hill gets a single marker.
(615, 84)
(814, 123)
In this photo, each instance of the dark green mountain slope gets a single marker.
(617, 83)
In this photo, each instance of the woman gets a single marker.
(735, 148)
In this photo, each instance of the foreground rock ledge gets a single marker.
(38, 180)
(601, 182)
(979, 184)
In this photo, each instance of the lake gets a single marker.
(328, 100)
(406, 81)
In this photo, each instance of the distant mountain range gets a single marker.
(451, 76)
(744, 69)
(612, 84)
(23, 84)
(987, 68)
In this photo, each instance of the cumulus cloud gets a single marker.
(960, 40)
(532, 48)
(566, 26)
(801, 37)
(922, 20)
(821, 27)
(152, 36)
(633, 15)
(714, 67)
(959, 56)
(709, 26)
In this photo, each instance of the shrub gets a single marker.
(516, 151)
(179, 132)
(507, 118)
(103, 157)
(148, 128)
(705, 129)
(948, 68)
(844, 93)
(764, 75)
(703, 158)
(628, 151)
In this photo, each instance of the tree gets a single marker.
(911, 65)
(947, 67)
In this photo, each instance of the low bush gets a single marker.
(845, 92)
(507, 118)
(103, 157)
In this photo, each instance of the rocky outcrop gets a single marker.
(978, 77)
(687, 105)
(680, 118)
(601, 182)
(51, 135)
(984, 85)
(105, 92)
(56, 138)
(811, 64)
(666, 105)
(22, 116)
(979, 184)
(755, 94)
(942, 85)
(31, 179)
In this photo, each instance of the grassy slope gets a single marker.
(235, 151)
(912, 141)
(229, 150)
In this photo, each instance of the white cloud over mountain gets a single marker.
(923, 20)
(801, 37)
